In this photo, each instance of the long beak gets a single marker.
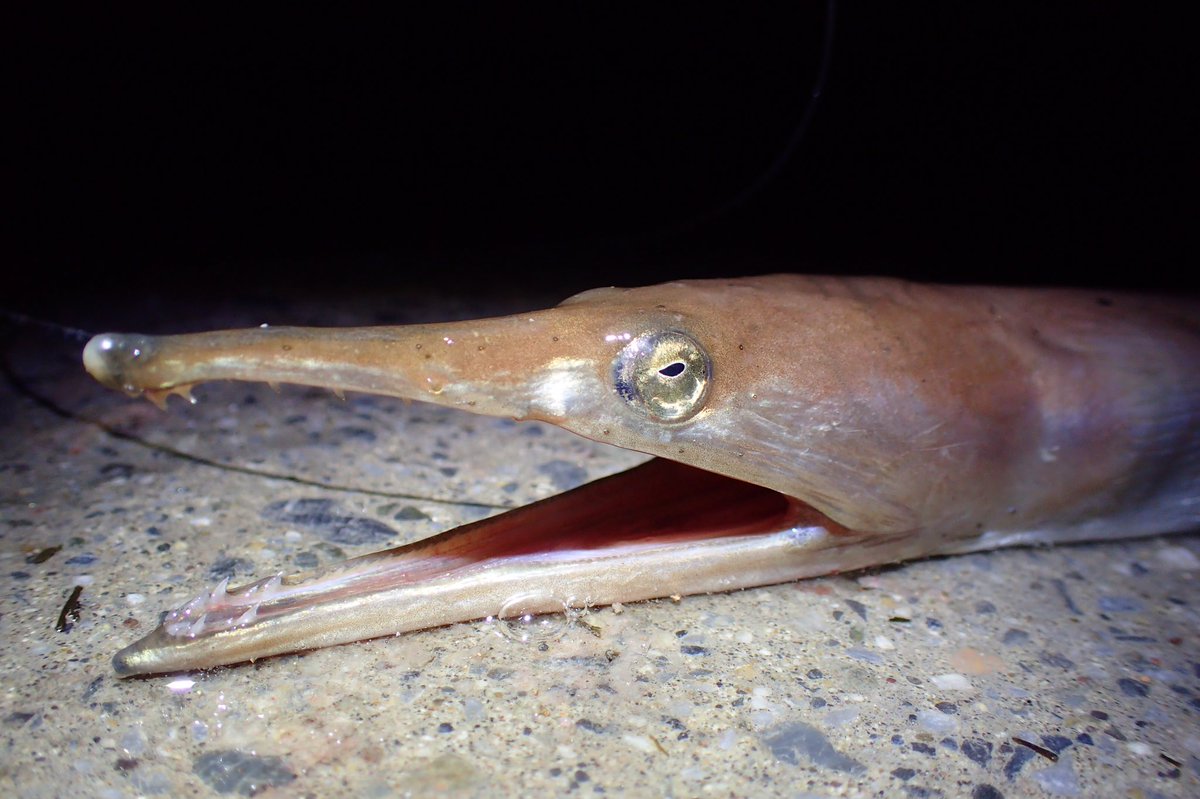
(505, 366)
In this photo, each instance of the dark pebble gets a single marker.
(1133, 687)
(1020, 757)
(564, 474)
(1015, 637)
(1056, 743)
(355, 434)
(356, 530)
(115, 471)
(229, 567)
(232, 771)
(410, 514)
(322, 517)
(1055, 659)
(92, 688)
(1119, 604)
(977, 750)
(797, 740)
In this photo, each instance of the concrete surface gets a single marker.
(920, 680)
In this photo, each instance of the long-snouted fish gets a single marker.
(803, 426)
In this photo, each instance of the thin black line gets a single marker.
(773, 170)
(23, 320)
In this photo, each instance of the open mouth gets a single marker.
(659, 529)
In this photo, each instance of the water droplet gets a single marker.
(534, 617)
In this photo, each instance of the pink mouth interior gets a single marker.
(660, 503)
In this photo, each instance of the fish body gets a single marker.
(844, 422)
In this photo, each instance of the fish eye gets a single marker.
(663, 374)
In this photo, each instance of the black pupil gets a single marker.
(672, 370)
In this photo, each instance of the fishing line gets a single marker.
(775, 168)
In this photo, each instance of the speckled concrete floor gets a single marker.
(1072, 671)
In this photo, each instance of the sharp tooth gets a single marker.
(272, 586)
(248, 617)
(221, 590)
(191, 606)
(197, 628)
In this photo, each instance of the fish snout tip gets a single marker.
(108, 357)
(149, 655)
(125, 662)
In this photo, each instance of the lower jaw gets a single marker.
(659, 529)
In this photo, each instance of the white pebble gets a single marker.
(642, 743)
(135, 599)
(180, 686)
(936, 721)
(1180, 558)
(951, 682)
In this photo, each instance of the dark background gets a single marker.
(472, 149)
